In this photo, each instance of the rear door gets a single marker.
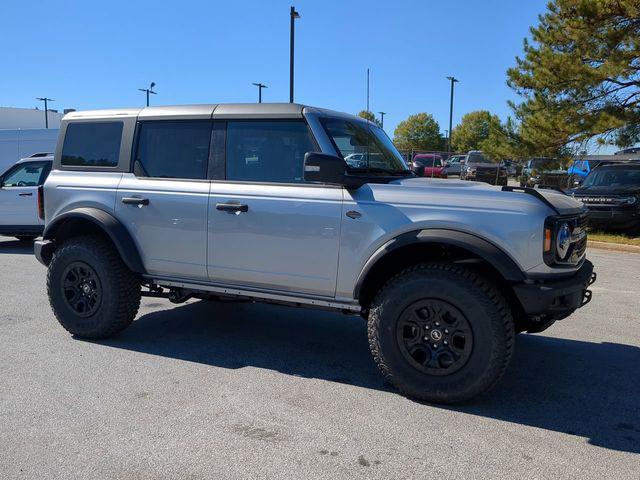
(19, 196)
(268, 229)
(163, 201)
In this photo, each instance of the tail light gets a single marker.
(41, 202)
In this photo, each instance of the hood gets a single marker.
(473, 195)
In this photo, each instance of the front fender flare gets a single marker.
(484, 249)
(116, 231)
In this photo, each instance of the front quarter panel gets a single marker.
(512, 222)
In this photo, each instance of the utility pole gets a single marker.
(367, 90)
(452, 80)
(260, 87)
(382, 114)
(293, 14)
(148, 91)
(46, 109)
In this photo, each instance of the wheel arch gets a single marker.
(429, 245)
(85, 220)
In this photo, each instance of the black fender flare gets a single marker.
(109, 224)
(484, 249)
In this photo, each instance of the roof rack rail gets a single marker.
(532, 191)
(40, 154)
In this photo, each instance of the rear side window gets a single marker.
(267, 151)
(92, 144)
(173, 149)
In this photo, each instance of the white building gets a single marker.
(22, 118)
(23, 132)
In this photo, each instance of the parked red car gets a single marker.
(428, 165)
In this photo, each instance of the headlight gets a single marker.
(563, 240)
(630, 200)
(471, 171)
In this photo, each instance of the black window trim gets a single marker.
(93, 168)
(136, 141)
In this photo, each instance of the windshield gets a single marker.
(545, 164)
(613, 177)
(477, 157)
(364, 147)
(428, 161)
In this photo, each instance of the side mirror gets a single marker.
(577, 183)
(323, 168)
(462, 162)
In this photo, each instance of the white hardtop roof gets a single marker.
(218, 111)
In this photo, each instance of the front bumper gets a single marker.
(556, 299)
(614, 218)
(43, 250)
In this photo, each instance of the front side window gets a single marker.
(378, 155)
(92, 144)
(168, 149)
(25, 175)
(267, 151)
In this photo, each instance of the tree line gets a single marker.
(578, 81)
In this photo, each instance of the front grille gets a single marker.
(583, 221)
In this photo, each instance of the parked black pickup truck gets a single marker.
(612, 195)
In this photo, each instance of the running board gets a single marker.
(258, 295)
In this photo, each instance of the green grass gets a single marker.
(614, 238)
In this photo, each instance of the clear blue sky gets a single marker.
(95, 54)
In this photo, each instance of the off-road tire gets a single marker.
(478, 300)
(120, 288)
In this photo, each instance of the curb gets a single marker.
(617, 247)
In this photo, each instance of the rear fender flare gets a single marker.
(110, 225)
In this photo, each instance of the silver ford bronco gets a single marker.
(256, 202)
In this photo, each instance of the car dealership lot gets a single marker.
(227, 390)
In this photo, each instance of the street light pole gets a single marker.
(260, 87)
(452, 80)
(148, 91)
(46, 109)
(382, 114)
(367, 90)
(293, 15)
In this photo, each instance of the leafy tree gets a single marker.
(580, 78)
(474, 129)
(369, 116)
(418, 132)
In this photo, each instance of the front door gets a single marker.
(163, 203)
(19, 197)
(267, 228)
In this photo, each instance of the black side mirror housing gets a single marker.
(323, 168)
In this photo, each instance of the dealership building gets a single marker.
(23, 133)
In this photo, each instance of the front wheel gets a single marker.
(441, 333)
(92, 292)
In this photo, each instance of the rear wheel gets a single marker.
(441, 333)
(92, 292)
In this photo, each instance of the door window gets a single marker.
(173, 149)
(25, 175)
(267, 151)
(92, 144)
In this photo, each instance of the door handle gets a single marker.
(232, 207)
(25, 194)
(140, 202)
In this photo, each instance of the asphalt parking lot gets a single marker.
(211, 390)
